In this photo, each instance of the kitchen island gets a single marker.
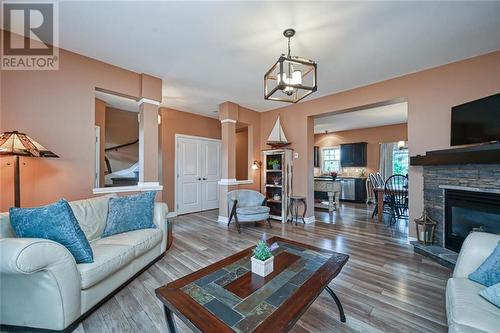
(331, 187)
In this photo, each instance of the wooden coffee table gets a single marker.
(227, 297)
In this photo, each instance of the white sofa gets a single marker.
(468, 312)
(41, 285)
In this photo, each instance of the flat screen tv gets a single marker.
(476, 122)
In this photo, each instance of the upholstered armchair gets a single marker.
(247, 206)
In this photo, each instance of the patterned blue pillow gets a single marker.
(492, 294)
(55, 222)
(129, 213)
(488, 273)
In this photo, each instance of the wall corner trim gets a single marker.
(148, 101)
(227, 120)
(233, 181)
(140, 187)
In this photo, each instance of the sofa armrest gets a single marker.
(475, 249)
(160, 220)
(40, 284)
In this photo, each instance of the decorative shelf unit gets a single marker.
(277, 181)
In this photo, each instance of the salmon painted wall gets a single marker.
(253, 121)
(57, 109)
(100, 120)
(430, 95)
(242, 164)
(121, 127)
(373, 136)
(177, 122)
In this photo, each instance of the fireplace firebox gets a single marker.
(467, 211)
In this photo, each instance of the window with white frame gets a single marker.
(331, 159)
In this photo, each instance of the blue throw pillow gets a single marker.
(492, 294)
(129, 213)
(55, 222)
(488, 273)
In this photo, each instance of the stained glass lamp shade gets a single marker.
(19, 144)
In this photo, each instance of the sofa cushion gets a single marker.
(108, 258)
(488, 273)
(141, 240)
(465, 308)
(91, 215)
(253, 210)
(55, 222)
(132, 212)
(492, 294)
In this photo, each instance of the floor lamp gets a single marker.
(257, 165)
(19, 144)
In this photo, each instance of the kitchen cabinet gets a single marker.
(353, 154)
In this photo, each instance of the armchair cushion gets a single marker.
(129, 213)
(55, 222)
(488, 273)
(252, 210)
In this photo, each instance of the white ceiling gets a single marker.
(210, 52)
(118, 102)
(378, 116)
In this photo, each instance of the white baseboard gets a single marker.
(310, 219)
(223, 219)
(171, 214)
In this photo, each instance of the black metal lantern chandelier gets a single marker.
(291, 78)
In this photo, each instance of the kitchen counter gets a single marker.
(348, 188)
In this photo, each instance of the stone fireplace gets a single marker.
(460, 198)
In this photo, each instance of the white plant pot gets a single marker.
(262, 268)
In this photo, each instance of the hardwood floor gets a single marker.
(384, 287)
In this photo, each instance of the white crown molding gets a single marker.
(227, 120)
(148, 101)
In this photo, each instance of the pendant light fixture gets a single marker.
(291, 78)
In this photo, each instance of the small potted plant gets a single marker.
(274, 164)
(334, 175)
(262, 259)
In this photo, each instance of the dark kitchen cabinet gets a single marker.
(360, 190)
(316, 157)
(353, 154)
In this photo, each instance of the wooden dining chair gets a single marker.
(375, 184)
(396, 191)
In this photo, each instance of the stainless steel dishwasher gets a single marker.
(348, 191)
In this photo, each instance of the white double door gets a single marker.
(198, 174)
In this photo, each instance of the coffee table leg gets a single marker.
(170, 320)
(337, 301)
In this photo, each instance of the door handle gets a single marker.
(199, 178)
(204, 178)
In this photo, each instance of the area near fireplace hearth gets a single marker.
(461, 198)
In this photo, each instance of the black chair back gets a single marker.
(396, 190)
